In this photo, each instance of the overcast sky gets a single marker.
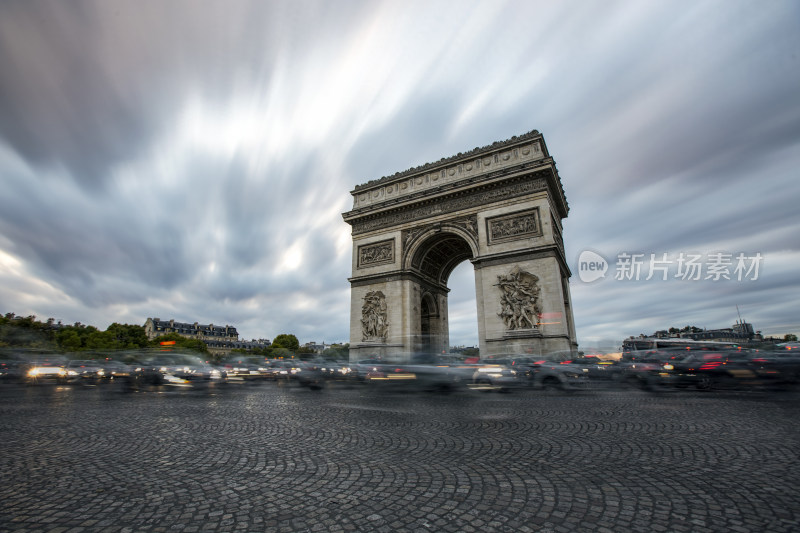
(191, 160)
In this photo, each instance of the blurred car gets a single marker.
(243, 370)
(309, 374)
(82, 371)
(420, 371)
(560, 375)
(11, 371)
(785, 362)
(43, 370)
(364, 369)
(271, 370)
(599, 371)
(115, 370)
(335, 371)
(284, 369)
(734, 369)
(645, 369)
(175, 370)
(555, 370)
(497, 375)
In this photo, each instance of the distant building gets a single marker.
(462, 349)
(317, 347)
(155, 327)
(220, 340)
(225, 347)
(739, 332)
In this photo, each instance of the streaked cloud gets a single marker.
(192, 161)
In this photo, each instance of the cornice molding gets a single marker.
(446, 204)
(475, 152)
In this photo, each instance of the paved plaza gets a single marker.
(276, 457)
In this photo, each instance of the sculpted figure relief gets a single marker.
(378, 253)
(519, 301)
(374, 319)
(514, 226)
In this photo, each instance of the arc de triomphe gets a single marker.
(501, 208)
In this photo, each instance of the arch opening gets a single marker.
(434, 260)
(439, 255)
(463, 306)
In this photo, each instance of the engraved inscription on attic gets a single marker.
(376, 254)
(478, 162)
(513, 226)
(449, 205)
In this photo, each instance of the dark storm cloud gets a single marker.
(77, 241)
(61, 106)
(226, 137)
(682, 99)
(88, 85)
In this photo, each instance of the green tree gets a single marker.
(68, 340)
(127, 336)
(281, 353)
(337, 352)
(306, 352)
(195, 345)
(790, 337)
(24, 331)
(286, 340)
(100, 340)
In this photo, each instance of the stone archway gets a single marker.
(432, 253)
(499, 207)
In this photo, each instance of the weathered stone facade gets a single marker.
(500, 207)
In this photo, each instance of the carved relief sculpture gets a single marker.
(411, 214)
(517, 226)
(519, 301)
(374, 318)
(470, 224)
(375, 254)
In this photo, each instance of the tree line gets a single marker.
(286, 346)
(29, 333)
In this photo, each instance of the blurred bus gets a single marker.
(643, 344)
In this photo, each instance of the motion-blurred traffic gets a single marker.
(706, 368)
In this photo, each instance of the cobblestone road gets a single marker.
(282, 458)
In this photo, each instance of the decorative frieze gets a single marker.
(450, 205)
(480, 161)
(379, 253)
(513, 226)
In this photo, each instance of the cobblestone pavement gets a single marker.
(281, 458)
